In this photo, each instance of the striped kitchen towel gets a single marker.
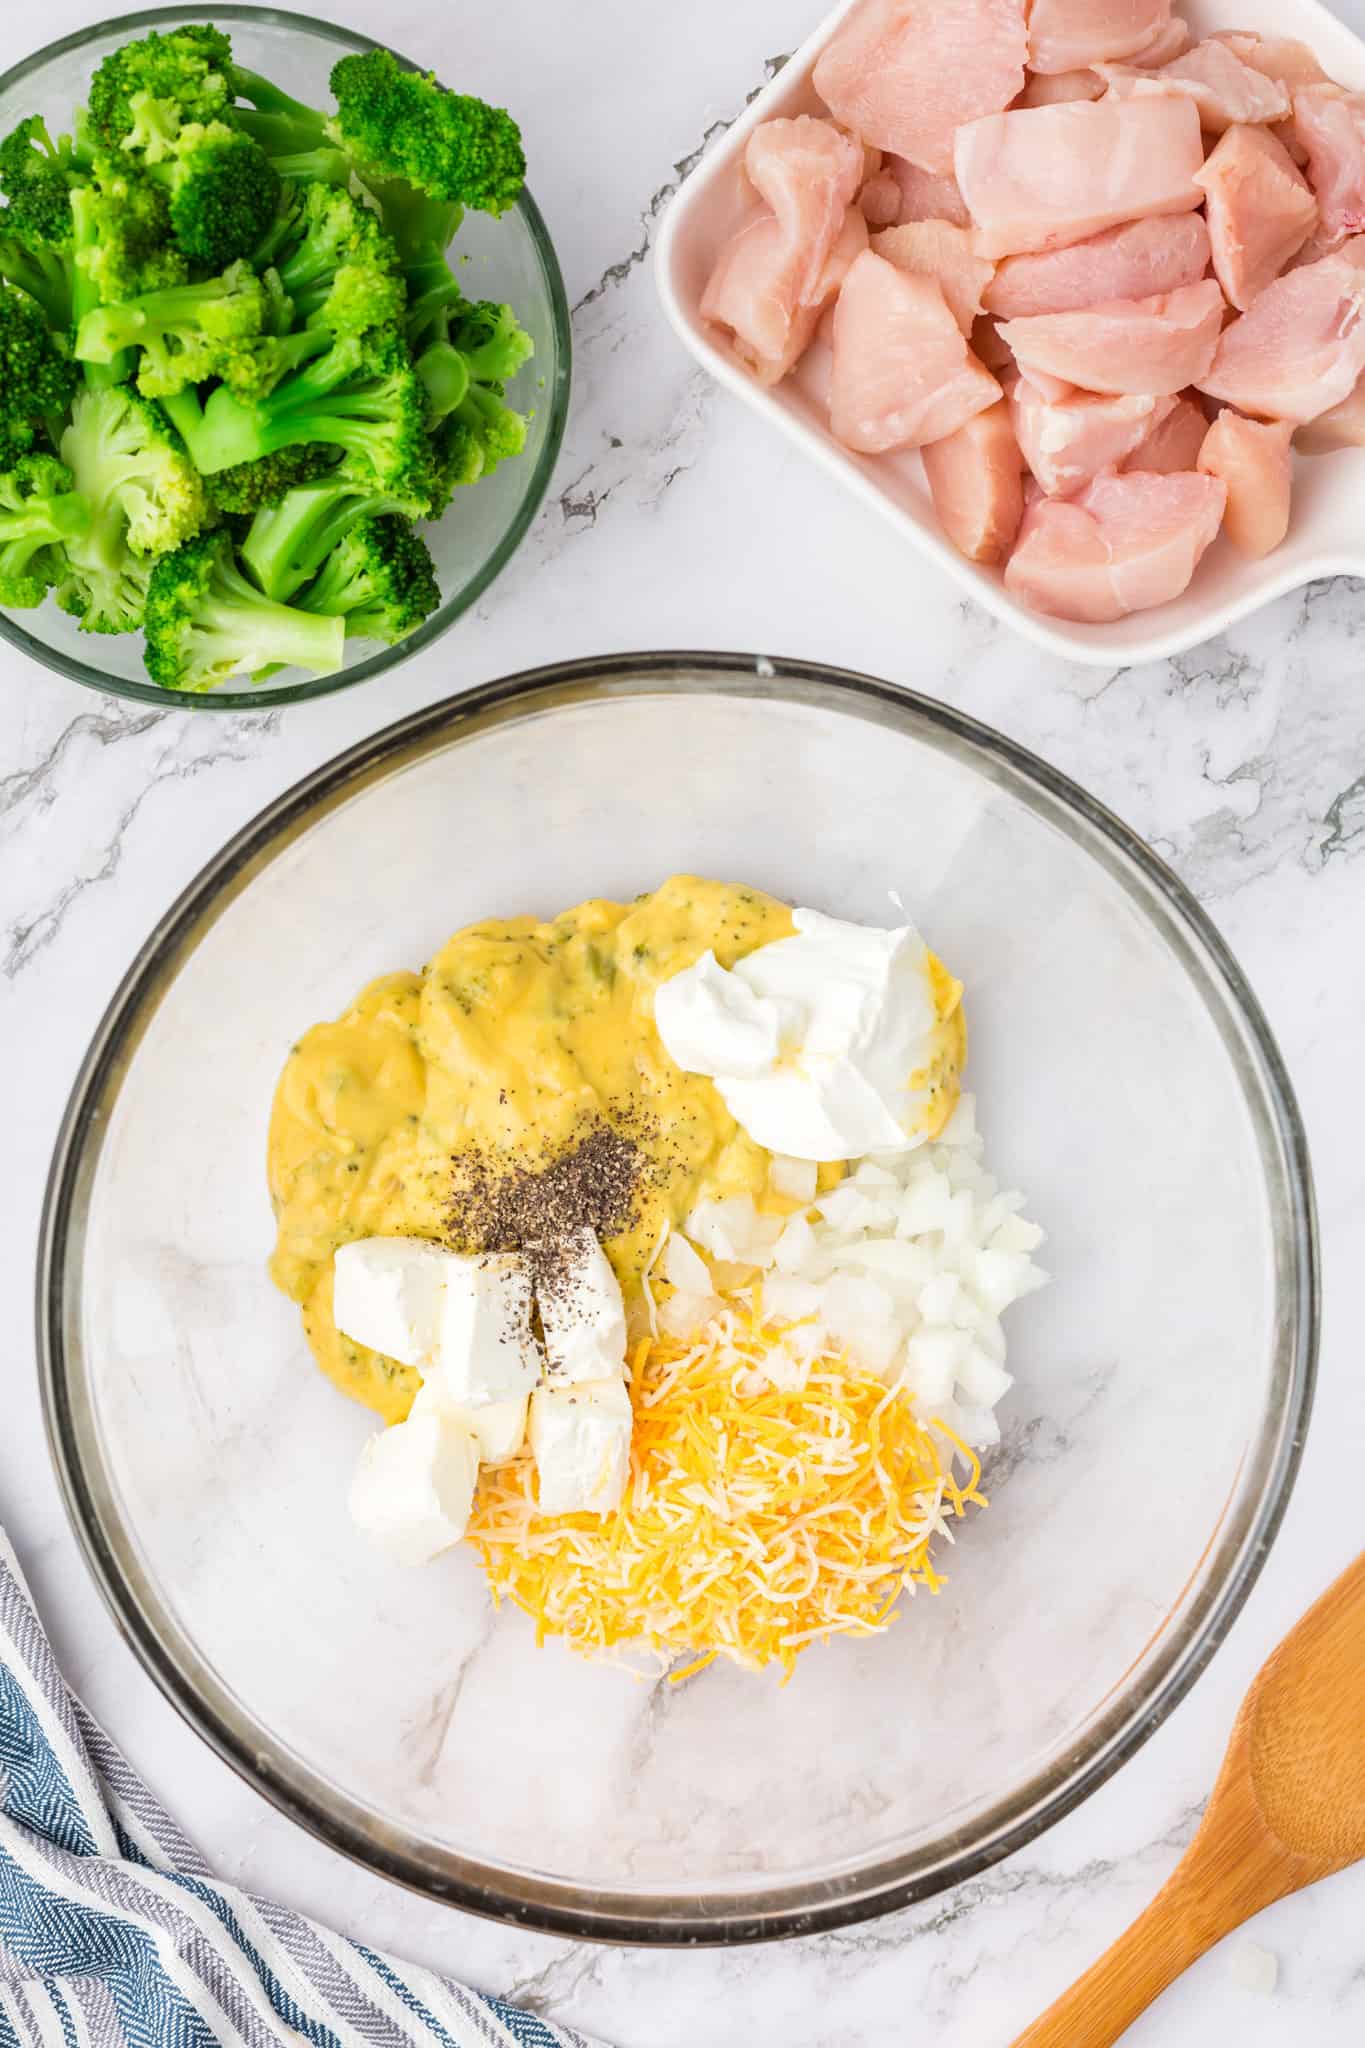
(113, 1930)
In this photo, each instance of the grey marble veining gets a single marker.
(676, 519)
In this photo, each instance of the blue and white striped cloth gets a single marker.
(114, 1931)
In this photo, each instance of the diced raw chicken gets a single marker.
(935, 248)
(782, 265)
(1126, 543)
(1068, 443)
(1057, 88)
(927, 195)
(1043, 176)
(1174, 443)
(1146, 346)
(1171, 41)
(1278, 57)
(1222, 87)
(1330, 124)
(750, 292)
(1343, 426)
(1253, 461)
(904, 74)
(1300, 346)
(976, 482)
(880, 200)
(1135, 261)
(809, 173)
(902, 373)
(1067, 35)
(1260, 211)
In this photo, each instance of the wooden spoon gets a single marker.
(1288, 1808)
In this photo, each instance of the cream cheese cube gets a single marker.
(580, 1438)
(488, 1351)
(388, 1292)
(582, 1313)
(414, 1486)
(498, 1428)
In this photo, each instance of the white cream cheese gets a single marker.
(812, 1040)
(414, 1486)
(580, 1438)
(582, 1313)
(387, 1293)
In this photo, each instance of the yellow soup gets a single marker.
(516, 1037)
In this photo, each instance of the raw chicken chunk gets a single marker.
(902, 373)
(1260, 211)
(935, 248)
(1147, 346)
(904, 74)
(1125, 544)
(1135, 261)
(809, 173)
(1067, 35)
(1222, 87)
(976, 481)
(1043, 176)
(1056, 88)
(927, 195)
(781, 266)
(1171, 41)
(1174, 442)
(879, 202)
(750, 292)
(1343, 426)
(1330, 124)
(1067, 443)
(1300, 347)
(1278, 57)
(1253, 461)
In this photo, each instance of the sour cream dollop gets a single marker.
(825, 1046)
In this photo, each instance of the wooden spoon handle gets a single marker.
(1147, 1957)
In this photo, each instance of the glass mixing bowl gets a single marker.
(1125, 1078)
(510, 258)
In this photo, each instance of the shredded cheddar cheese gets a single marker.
(761, 1516)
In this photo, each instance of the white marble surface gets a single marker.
(676, 520)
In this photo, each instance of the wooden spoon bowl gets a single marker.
(1288, 1809)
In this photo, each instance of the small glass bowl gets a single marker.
(1125, 1079)
(509, 258)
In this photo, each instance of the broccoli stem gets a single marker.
(445, 375)
(236, 619)
(288, 543)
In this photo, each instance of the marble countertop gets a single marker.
(678, 520)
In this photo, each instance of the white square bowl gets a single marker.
(1327, 527)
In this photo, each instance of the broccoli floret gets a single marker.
(472, 426)
(36, 177)
(287, 543)
(188, 333)
(380, 579)
(123, 245)
(341, 269)
(37, 381)
(144, 498)
(40, 512)
(471, 441)
(400, 124)
(204, 623)
(360, 395)
(251, 486)
(144, 92)
(222, 189)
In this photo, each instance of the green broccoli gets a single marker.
(380, 579)
(144, 498)
(358, 394)
(144, 92)
(37, 380)
(401, 125)
(288, 542)
(342, 269)
(188, 333)
(472, 426)
(37, 176)
(39, 513)
(204, 623)
(250, 487)
(222, 191)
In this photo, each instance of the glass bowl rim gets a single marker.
(890, 1880)
(556, 396)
